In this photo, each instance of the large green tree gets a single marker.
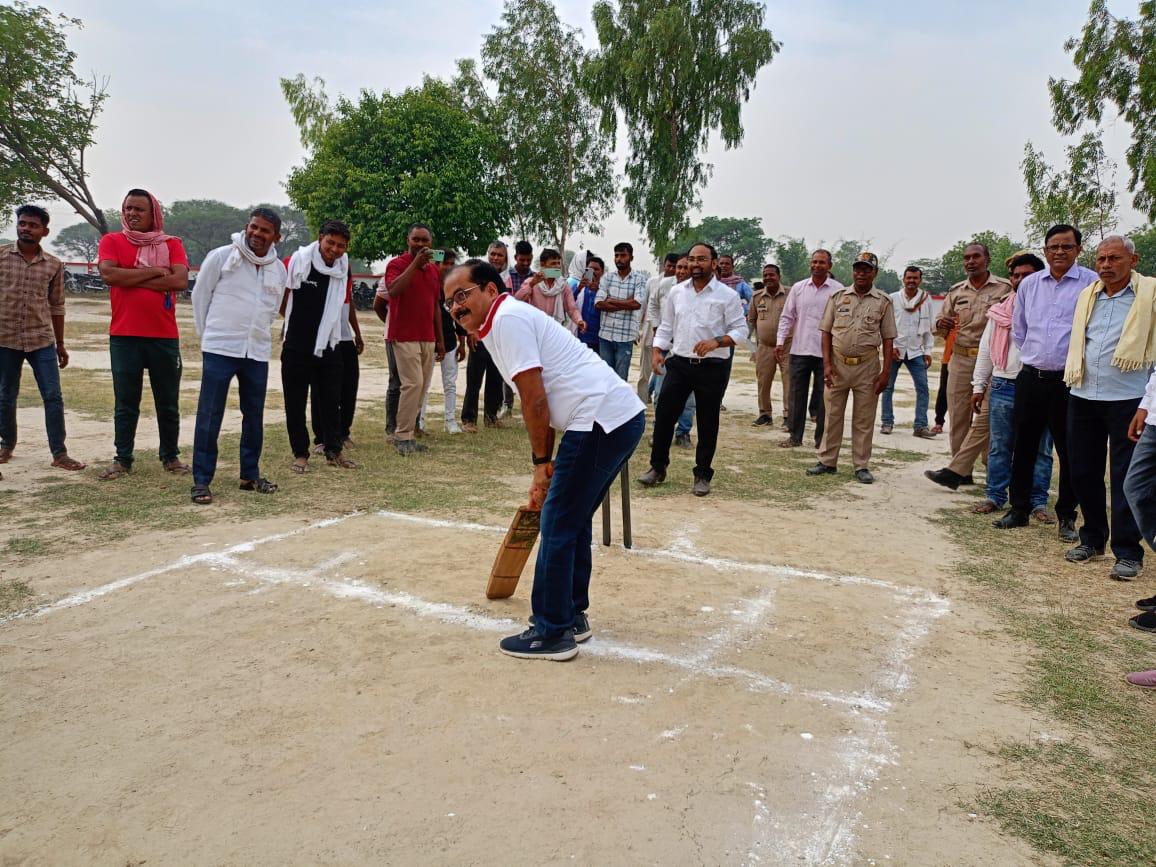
(47, 113)
(793, 258)
(740, 237)
(1083, 194)
(387, 161)
(678, 72)
(1116, 61)
(81, 240)
(554, 157)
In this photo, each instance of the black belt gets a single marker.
(697, 360)
(1044, 374)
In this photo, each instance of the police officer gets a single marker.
(854, 325)
(966, 307)
(763, 316)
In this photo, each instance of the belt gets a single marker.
(1043, 374)
(970, 352)
(694, 359)
(852, 360)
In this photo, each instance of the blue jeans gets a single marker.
(617, 353)
(1140, 485)
(686, 420)
(217, 372)
(918, 369)
(1001, 398)
(46, 369)
(586, 464)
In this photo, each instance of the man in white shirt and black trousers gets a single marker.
(702, 323)
(563, 386)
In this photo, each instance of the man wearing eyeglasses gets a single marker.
(564, 387)
(1042, 327)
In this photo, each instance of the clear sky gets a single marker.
(900, 122)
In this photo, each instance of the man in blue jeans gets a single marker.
(32, 330)
(1140, 490)
(912, 349)
(622, 297)
(238, 293)
(563, 387)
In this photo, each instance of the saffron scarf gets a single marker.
(152, 249)
(1137, 347)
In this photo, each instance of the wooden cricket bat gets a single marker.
(513, 554)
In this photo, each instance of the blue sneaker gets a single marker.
(581, 626)
(531, 645)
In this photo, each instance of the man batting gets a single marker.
(563, 386)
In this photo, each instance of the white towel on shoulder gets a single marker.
(300, 264)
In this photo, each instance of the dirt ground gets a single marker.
(764, 686)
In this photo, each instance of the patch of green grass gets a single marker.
(27, 546)
(14, 596)
(1089, 801)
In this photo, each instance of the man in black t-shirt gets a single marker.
(310, 356)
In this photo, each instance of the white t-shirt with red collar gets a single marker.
(581, 388)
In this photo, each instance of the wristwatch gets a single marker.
(539, 461)
(719, 340)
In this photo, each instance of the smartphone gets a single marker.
(438, 255)
(588, 274)
(551, 273)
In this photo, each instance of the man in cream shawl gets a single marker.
(311, 365)
(1111, 353)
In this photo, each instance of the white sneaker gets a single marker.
(452, 427)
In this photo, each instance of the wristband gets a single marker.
(539, 461)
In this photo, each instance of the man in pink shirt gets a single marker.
(548, 290)
(799, 324)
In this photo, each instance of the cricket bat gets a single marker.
(513, 554)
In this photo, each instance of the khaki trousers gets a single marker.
(765, 367)
(644, 371)
(975, 444)
(959, 371)
(415, 361)
(859, 381)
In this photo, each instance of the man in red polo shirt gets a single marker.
(144, 268)
(411, 293)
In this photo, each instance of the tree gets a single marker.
(1001, 246)
(309, 105)
(555, 155)
(936, 280)
(387, 161)
(1145, 240)
(203, 225)
(1084, 195)
(1117, 67)
(47, 113)
(81, 240)
(679, 71)
(793, 258)
(741, 237)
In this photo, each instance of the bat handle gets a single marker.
(606, 519)
(624, 479)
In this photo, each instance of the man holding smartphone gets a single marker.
(547, 291)
(412, 285)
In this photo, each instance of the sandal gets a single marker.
(115, 471)
(319, 449)
(64, 462)
(201, 495)
(260, 486)
(985, 508)
(300, 469)
(177, 468)
(339, 460)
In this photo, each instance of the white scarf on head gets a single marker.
(272, 279)
(300, 264)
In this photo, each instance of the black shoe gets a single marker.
(762, 420)
(1083, 553)
(1145, 622)
(581, 626)
(1010, 520)
(531, 645)
(966, 480)
(864, 476)
(1148, 604)
(820, 469)
(701, 487)
(1068, 530)
(652, 477)
(944, 477)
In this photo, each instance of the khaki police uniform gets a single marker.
(971, 306)
(858, 325)
(763, 316)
